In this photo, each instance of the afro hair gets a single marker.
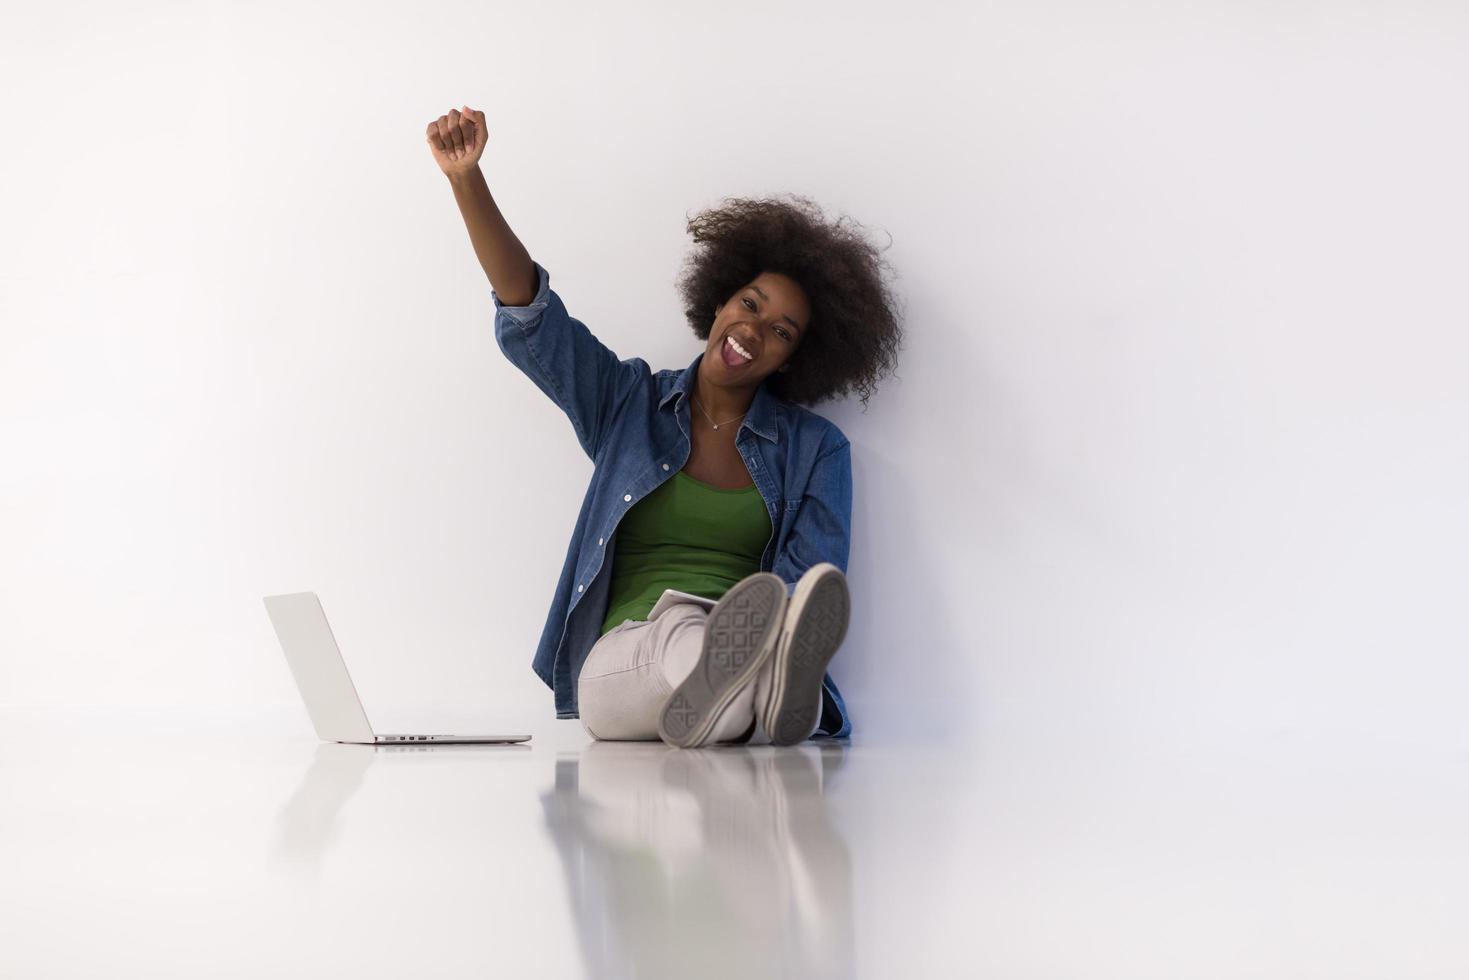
(853, 338)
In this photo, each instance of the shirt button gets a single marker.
(579, 588)
(665, 466)
(599, 542)
(627, 496)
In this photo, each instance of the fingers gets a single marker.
(477, 120)
(456, 133)
(466, 129)
(435, 138)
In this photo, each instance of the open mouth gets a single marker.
(733, 354)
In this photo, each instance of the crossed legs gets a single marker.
(748, 670)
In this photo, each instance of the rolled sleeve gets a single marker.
(584, 378)
(531, 310)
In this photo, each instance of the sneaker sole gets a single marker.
(740, 635)
(816, 624)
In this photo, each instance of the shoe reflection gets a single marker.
(710, 862)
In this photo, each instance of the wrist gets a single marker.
(465, 177)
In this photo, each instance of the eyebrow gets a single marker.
(783, 316)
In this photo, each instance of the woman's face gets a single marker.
(756, 331)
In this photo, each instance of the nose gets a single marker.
(762, 333)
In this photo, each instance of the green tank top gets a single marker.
(685, 535)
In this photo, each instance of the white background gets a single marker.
(1179, 438)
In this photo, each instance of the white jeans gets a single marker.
(631, 671)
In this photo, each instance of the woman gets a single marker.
(712, 481)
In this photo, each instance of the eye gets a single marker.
(782, 332)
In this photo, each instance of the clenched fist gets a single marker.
(457, 141)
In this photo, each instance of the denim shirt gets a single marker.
(634, 424)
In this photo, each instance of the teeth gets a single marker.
(740, 350)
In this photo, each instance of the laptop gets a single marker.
(326, 687)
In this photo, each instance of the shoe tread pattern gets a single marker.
(814, 641)
(680, 716)
(736, 633)
(794, 726)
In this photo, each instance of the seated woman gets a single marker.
(712, 481)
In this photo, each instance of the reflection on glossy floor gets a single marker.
(170, 846)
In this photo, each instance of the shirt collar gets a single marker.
(760, 419)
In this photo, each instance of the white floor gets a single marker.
(158, 844)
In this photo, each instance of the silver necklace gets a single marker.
(711, 418)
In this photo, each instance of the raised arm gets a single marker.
(457, 141)
(555, 350)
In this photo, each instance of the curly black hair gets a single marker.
(855, 332)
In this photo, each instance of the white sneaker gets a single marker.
(814, 627)
(739, 638)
